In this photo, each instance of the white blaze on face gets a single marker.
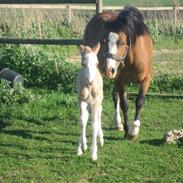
(112, 44)
(90, 61)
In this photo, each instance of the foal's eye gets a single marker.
(83, 63)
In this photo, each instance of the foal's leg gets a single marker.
(140, 100)
(117, 118)
(100, 131)
(82, 144)
(95, 129)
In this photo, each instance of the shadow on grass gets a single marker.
(153, 142)
(31, 120)
(4, 124)
(27, 134)
(108, 129)
(5, 119)
(39, 122)
(180, 145)
(40, 155)
(24, 134)
(112, 138)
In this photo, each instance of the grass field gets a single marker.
(39, 134)
(39, 138)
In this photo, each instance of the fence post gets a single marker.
(69, 13)
(98, 6)
(175, 14)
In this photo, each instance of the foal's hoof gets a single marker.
(101, 142)
(79, 152)
(94, 157)
(84, 147)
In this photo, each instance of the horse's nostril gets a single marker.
(112, 70)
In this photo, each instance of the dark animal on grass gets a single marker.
(125, 56)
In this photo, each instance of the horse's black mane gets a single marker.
(129, 21)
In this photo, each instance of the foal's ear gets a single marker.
(97, 48)
(82, 48)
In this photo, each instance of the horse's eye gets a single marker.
(120, 43)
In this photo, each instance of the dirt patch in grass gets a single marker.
(168, 61)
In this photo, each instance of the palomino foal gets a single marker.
(90, 96)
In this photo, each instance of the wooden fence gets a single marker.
(6, 3)
(70, 5)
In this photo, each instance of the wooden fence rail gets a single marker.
(42, 41)
(69, 5)
(47, 1)
(9, 3)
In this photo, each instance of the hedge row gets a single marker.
(44, 71)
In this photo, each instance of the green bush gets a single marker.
(52, 72)
(38, 68)
(15, 95)
(167, 83)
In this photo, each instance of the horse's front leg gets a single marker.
(82, 144)
(117, 118)
(140, 100)
(124, 108)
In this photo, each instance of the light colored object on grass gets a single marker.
(90, 96)
(174, 136)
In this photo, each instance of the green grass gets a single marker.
(39, 138)
(162, 42)
(143, 3)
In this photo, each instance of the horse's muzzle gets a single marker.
(110, 73)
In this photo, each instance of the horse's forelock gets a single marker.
(108, 16)
(129, 21)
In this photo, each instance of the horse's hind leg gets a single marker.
(140, 100)
(117, 118)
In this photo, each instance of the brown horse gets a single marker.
(125, 56)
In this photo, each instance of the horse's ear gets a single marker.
(108, 16)
(97, 48)
(82, 48)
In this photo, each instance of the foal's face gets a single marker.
(117, 44)
(90, 62)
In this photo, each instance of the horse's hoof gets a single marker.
(130, 137)
(133, 130)
(119, 128)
